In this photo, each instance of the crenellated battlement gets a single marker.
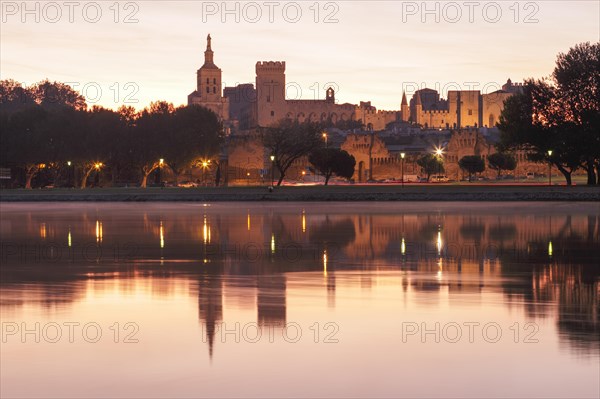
(437, 111)
(270, 66)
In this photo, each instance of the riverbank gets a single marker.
(314, 193)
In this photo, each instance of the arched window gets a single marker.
(214, 80)
(207, 89)
(207, 81)
(214, 89)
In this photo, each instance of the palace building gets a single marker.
(463, 124)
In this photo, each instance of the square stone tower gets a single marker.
(270, 92)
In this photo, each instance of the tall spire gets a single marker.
(208, 54)
(418, 100)
(404, 102)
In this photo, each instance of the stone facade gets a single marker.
(463, 108)
(458, 124)
(208, 86)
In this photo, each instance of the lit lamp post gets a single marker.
(402, 155)
(204, 166)
(160, 164)
(272, 171)
(549, 168)
(325, 138)
(69, 176)
(98, 165)
(438, 152)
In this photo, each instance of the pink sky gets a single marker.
(371, 50)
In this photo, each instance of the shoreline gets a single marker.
(484, 193)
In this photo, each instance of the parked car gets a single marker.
(188, 184)
(530, 175)
(439, 178)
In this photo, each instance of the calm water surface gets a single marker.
(300, 299)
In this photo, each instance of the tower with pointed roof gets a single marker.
(404, 109)
(208, 91)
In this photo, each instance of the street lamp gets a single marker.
(97, 165)
(69, 174)
(160, 164)
(272, 170)
(439, 153)
(204, 166)
(402, 155)
(549, 168)
(325, 138)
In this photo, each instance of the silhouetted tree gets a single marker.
(332, 161)
(577, 81)
(197, 133)
(526, 126)
(431, 164)
(561, 114)
(289, 141)
(502, 161)
(472, 164)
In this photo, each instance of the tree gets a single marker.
(56, 94)
(14, 97)
(561, 114)
(431, 164)
(472, 164)
(25, 142)
(197, 133)
(332, 161)
(289, 141)
(99, 142)
(502, 161)
(532, 122)
(148, 138)
(577, 81)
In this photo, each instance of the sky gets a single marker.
(135, 52)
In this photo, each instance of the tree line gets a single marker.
(48, 127)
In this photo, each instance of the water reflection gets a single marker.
(542, 260)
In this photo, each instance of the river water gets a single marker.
(300, 300)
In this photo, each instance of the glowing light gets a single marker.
(550, 248)
(68, 163)
(549, 153)
(43, 230)
(204, 164)
(439, 243)
(162, 235)
(325, 262)
(402, 155)
(98, 165)
(69, 238)
(161, 161)
(248, 221)
(403, 247)
(272, 158)
(303, 221)
(205, 231)
(439, 151)
(272, 243)
(98, 231)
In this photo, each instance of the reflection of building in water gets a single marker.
(271, 300)
(210, 306)
(577, 294)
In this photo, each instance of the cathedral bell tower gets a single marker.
(209, 76)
